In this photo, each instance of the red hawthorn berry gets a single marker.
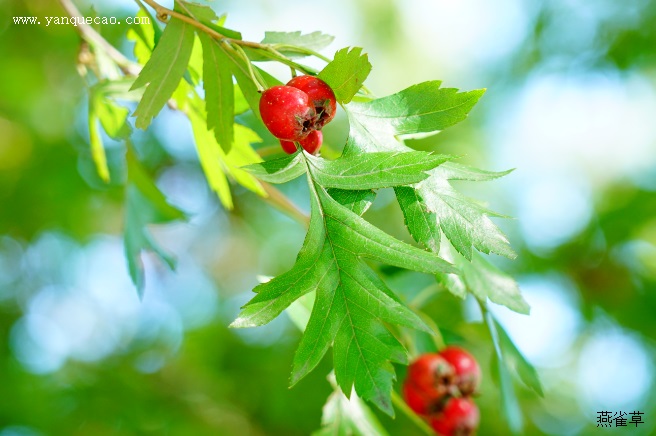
(467, 371)
(287, 112)
(321, 96)
(432, 377)
(311, 143)
(460, 417)
(417, 400)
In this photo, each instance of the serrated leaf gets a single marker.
(219, 91)
(483, 280)
(421, 222)
(346, 73)
(164, 70)
(356, 201)
(280, 170)
(422, 108)
(374, 170)
(455, 171)
(352, 304)
(463, 221)
(350, 416)
(286, 41)
(145, 204)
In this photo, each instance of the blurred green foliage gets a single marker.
(193, 375)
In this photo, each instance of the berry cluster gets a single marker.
(439, 386)
(297, 112)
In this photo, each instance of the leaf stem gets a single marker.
(163, 13)
(407, 411)
(255, 77)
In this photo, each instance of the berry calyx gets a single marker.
(467, 371)
(460, 417)
(311, 143)
(321, 97)
(431, 375)
(287, 112)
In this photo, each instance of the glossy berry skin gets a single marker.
(460, 417)
(287, 112)
(417, 400)
(467, 371)
(321, 96)
(311, 143)
(429, 379)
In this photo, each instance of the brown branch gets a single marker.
(274, 196)
(90, 35)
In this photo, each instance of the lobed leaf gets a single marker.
(287, 41)
(344, 416)
(374, 170)
(346, 73)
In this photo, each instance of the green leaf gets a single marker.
(346, 73)
(164, 70)
(456, 171)
(219, 91)
(280, 170)
(356, 201)
(286, 42)
(344, 416)
(509, 402)
(421, 222)
(97, 147)
(463, 221)
(518, 362)
(374, 170)
(202, 13)
(112, 117)
(219, 165)
(422, 108)
(484, 280)
(352, 305)
(145, 204)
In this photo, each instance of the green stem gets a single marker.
(255, 77)
(407, 411)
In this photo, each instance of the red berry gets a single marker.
(431, 375)
(417, 400)
(321, 96)
(467, 371)
(288, 146)
(311, 143)
(287, 112)
(460, 417)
